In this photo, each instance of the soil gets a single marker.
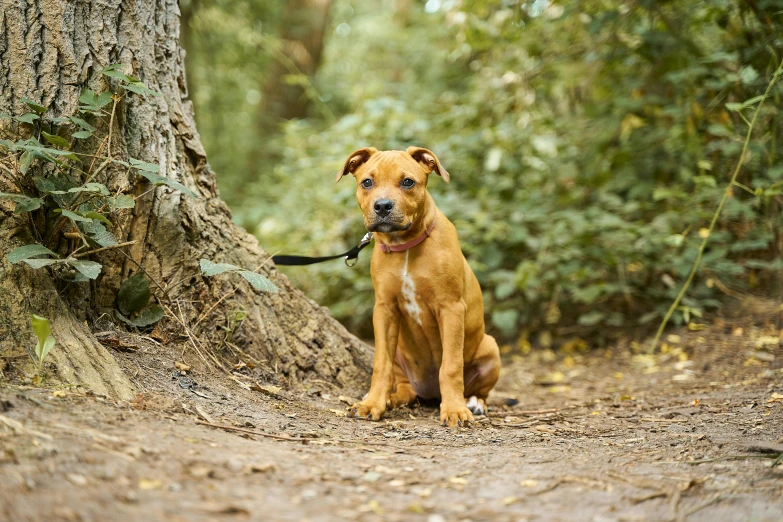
(692, 433)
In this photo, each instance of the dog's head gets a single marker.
(391, 186)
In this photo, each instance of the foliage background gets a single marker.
(588, 143)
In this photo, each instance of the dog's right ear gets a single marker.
(355, 160)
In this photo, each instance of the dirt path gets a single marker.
(604, 436)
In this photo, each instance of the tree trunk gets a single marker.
(302, 39)
(50, 50)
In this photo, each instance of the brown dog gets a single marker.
(429, 312)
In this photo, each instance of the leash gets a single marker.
(351, 257)
(352, 254)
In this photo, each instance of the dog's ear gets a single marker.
(429, 161)
(355, 160)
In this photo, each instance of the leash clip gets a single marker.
(355, 257)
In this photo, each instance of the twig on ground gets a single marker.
(203, 414)
(95, 251)
(305, 439)
(717, 498)
(20, 428)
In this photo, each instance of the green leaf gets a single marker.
(82, 124)
(72, 215)
(40, 263)
(27, 252)
(134, 294)
(34, 106)
(748, 75)
(95, 215)
(160, 180)
(81, 134)
(89, 269)
(113, 71)
(143, 165)
(259, 282)
(95, 101)
(54, 139)
(752, 101)
(27, 118)
(734, 107)
(98, 188)
(591, 318)
(122, 201)
(43, 332)
(23, 203)
(8, 145)
(140, 88)
(208, 268)
(99, 234)
(147, 317)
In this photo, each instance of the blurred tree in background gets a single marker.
(588, 142)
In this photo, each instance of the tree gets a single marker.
(51, 53)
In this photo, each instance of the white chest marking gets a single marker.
(409, 293)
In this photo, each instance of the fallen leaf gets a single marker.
(181, 366)
(371, 476)
(149, 484)
(346, 400)
(458, 480)
(673, 338)
(529, 483)
(339, 413)
(397, 483)
(775, 397)
(416, 508)
(79, 480)
(422, 492)
(544, 429)
(201, 472)
(266, 467)
(768, 340)
(273, 391)
(510, 500)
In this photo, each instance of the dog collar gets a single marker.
(408, 245)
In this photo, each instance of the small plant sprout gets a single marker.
(44, 344)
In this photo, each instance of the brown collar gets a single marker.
(409, 244)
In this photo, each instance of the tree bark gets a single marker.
(50, 50)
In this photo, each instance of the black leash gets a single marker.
(351, 255)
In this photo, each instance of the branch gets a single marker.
(718, 211)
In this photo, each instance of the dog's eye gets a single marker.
(367, 182)
(408, 183)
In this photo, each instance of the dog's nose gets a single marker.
(383, 207)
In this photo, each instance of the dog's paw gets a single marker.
(455, 416)
(476, 405)
(401, 398)
(367, 410)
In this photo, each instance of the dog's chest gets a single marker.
(408, 299)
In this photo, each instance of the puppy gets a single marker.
(428, 318)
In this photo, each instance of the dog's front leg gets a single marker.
(451, 322)
(386, 326)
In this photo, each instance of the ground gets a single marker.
(601, 435)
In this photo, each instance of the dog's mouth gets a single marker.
(388, 226)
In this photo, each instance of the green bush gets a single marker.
(588, 144)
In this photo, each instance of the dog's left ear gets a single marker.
(356, 158)
(429, 161)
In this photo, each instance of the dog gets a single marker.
(428, 319)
